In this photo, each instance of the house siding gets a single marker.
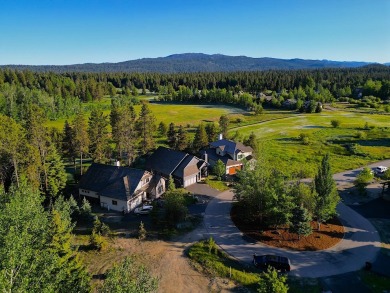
(90, 193)
(107, 203)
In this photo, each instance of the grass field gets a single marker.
(180, 114)
(279, 139)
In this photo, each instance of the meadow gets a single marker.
(278, 133)
(279, 139)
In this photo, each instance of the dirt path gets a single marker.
(179, 275)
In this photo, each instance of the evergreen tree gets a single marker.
(67, 143)
(38, 137)
(80, 137)
(56, 174)
(271, 282)
(182, 139)
(223, 125)
(200, 139)
(171, 135)
(146, 128)
(211, 131)
(219, 169)
(327, 195)
(171, 184)
(300, 222)
(127, 133)
(98, 136)
(70, 271)
(162, 129)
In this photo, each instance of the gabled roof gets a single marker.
(226, 160)
(165, 161)
(189, 166)
(231, 147)
(112, 181)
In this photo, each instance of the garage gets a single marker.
(189, 181)
(233, 170)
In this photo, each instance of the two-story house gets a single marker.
(120, 188)
(229, 152)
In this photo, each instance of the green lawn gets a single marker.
(279, 139)
(180, 114)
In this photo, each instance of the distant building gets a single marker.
(229, 152)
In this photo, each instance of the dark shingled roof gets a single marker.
(231, 146)
(226, 160)
(165, 161)
(112, 181)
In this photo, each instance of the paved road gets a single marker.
(361, 242)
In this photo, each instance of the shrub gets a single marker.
(142, 231)
(304, 138)
(98, 242)
(271, 282)
(361, 135)
(363, 179)
(335, 123)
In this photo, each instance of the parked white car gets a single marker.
(380, 170)
(143, 210)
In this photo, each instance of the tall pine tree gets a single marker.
(146, 127)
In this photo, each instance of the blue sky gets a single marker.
(69, 32)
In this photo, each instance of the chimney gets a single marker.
(206, 157)
(220, 136)
(117, 163)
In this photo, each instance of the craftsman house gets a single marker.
(120, 188)
(229, 152)
(184, 168)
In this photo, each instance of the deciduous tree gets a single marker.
(327, 195)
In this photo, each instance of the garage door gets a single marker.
(233, 170)
(190, 181)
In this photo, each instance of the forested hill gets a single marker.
(194, 62)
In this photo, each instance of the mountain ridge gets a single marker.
(195, 62)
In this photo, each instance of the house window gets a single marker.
(114, 203)
(160, 189)
(147, 180)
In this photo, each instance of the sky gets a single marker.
(57, 32)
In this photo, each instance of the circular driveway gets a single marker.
(361, 241)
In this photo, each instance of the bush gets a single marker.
(98, 242)
(175, 207)
(304, 138)
(335, 123)
(363, 179)
(361, 135)
(142, 231)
